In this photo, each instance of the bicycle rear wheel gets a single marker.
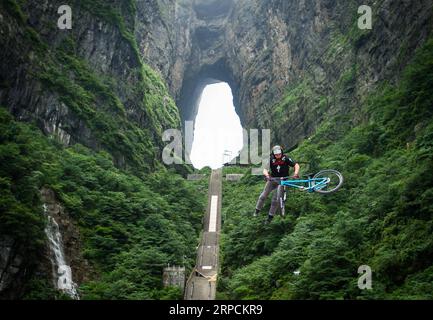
(334, 181)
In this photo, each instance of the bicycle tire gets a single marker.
(329, 173)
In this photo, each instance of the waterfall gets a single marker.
(62, 272)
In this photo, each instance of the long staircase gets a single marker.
(201, 284)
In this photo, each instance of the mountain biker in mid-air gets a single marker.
(279, 165)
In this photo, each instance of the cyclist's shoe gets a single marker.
(269, 219)
(256, 213)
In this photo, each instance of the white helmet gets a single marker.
(277, 150)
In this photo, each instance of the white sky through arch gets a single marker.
(217, 128)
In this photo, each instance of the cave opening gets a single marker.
(218, 135)
(209, 9)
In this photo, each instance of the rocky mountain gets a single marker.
(264, 49)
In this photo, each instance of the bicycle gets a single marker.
(324, 182)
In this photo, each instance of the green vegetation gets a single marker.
(135, 217)
(15, 10)
(131, 227)
(19, 203)
(109, 124)
(382, 217)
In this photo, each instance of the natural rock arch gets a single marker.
(196, 79)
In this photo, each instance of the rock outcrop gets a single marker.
(10, 265)
(71, 239)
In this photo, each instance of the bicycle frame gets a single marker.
(319, 183)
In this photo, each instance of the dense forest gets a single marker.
(130, 229)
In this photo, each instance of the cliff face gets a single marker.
(87, 84)
(71, 239)
(265, 49)
(15, 271)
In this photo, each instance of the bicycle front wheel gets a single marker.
(332, 178)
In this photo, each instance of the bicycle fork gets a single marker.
(282, 199)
